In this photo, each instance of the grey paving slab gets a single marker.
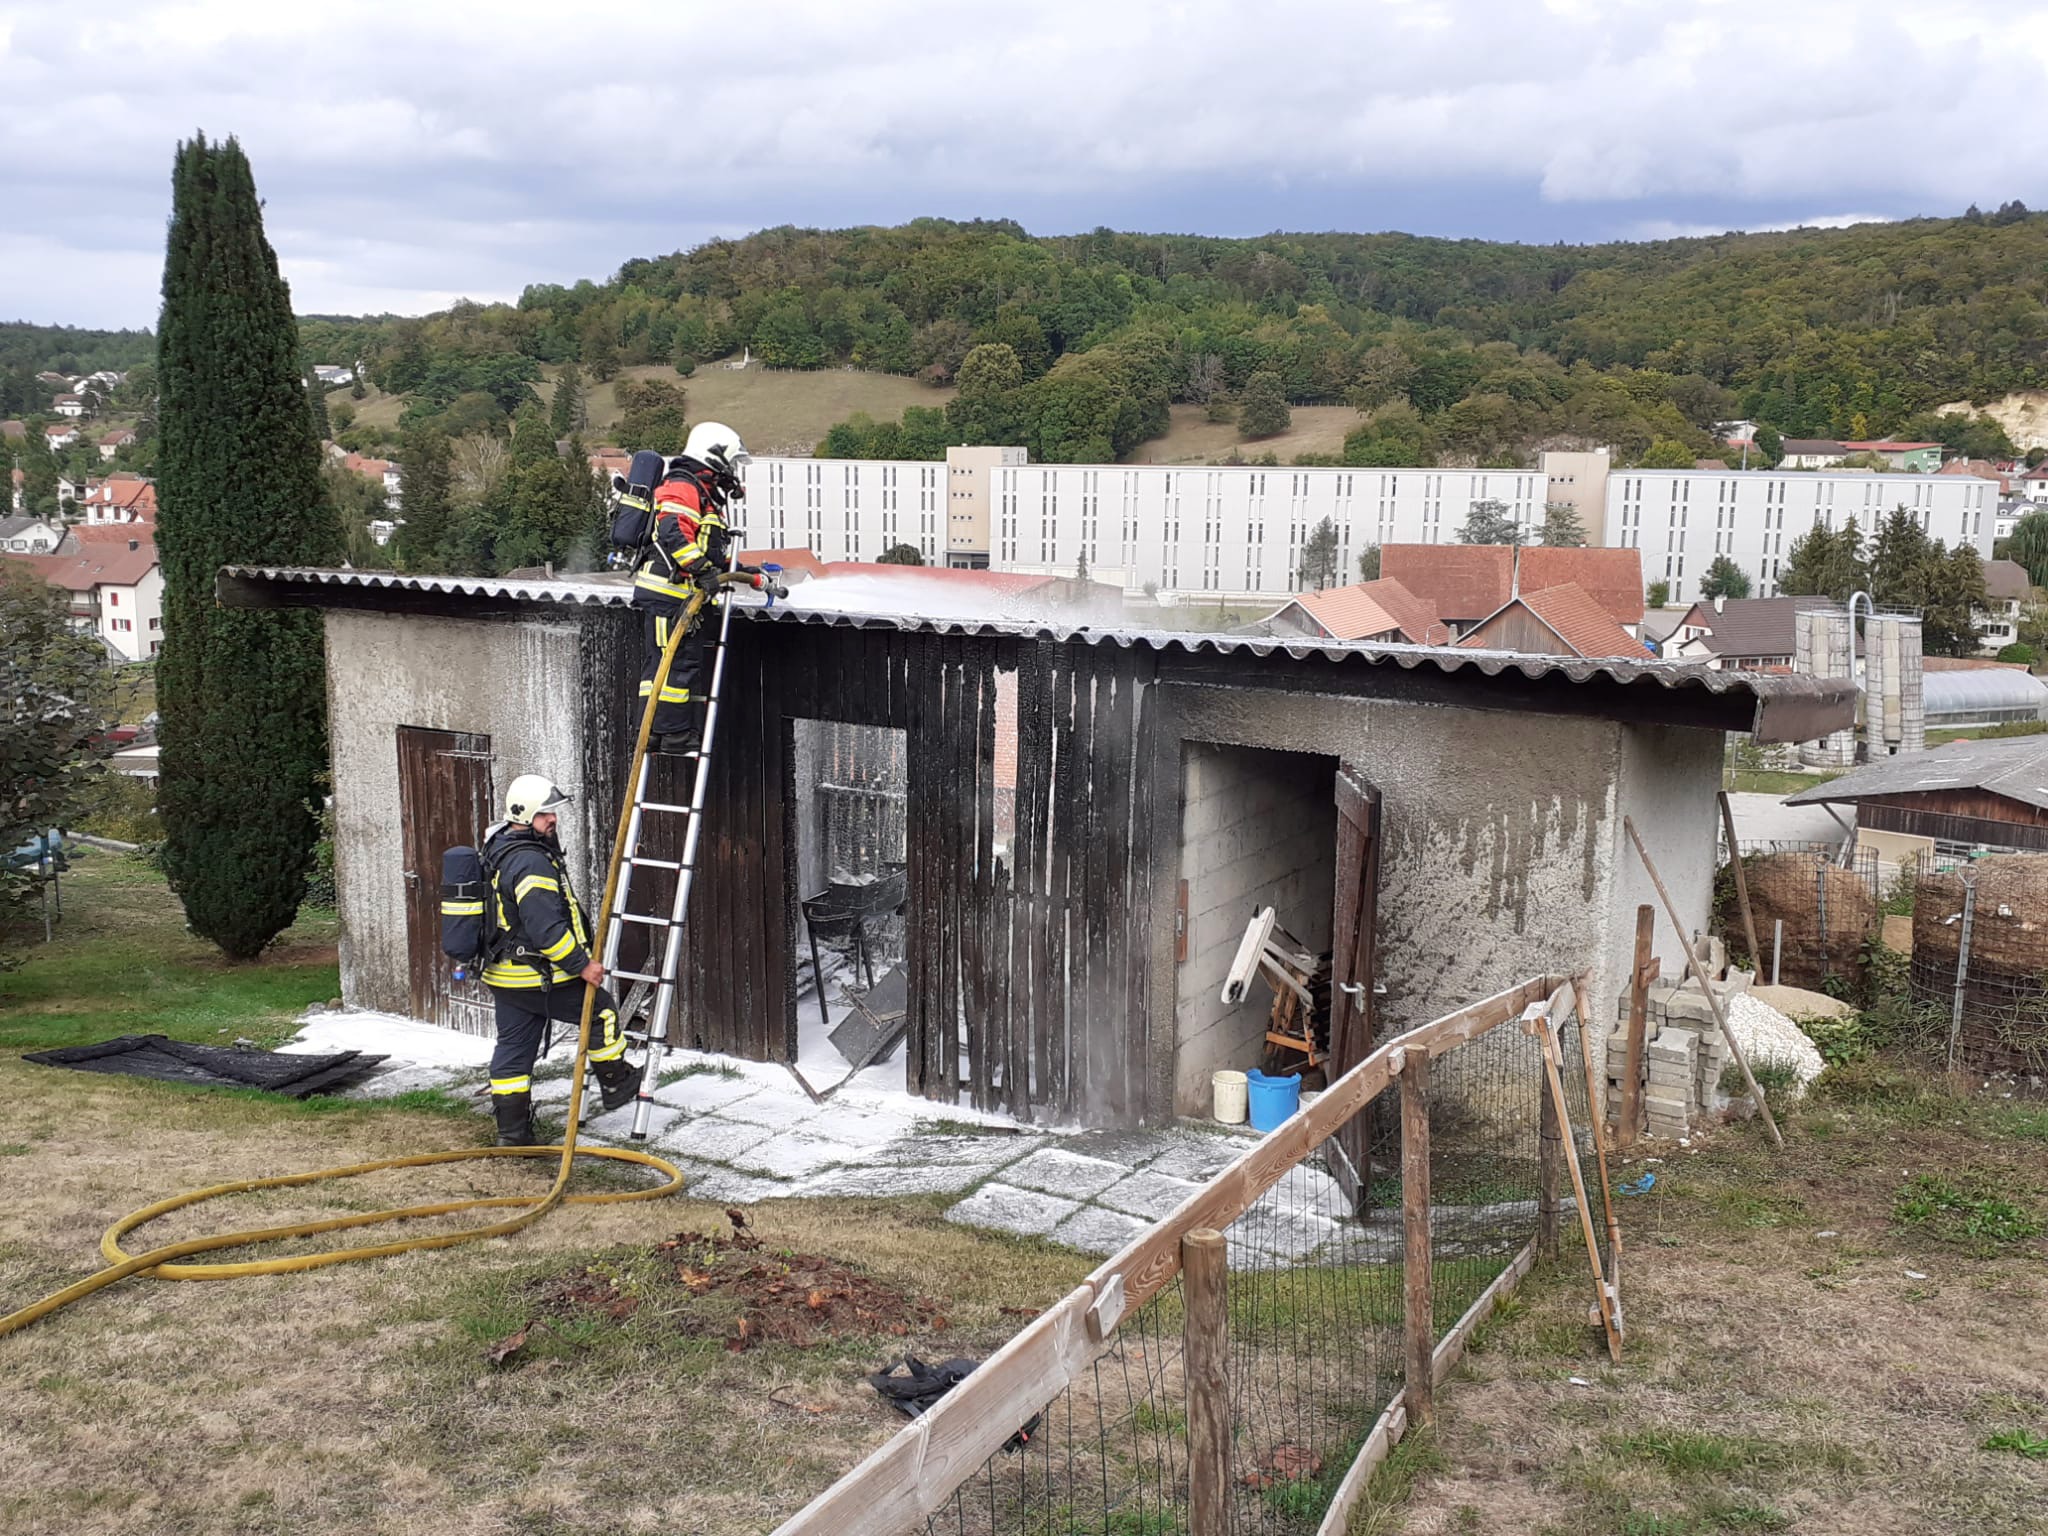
(1094, 1230)
(1197, 1158)
(1310, 1189)
(1060, 1172)
(868, 1180)
(1004, 1208)
(859, 1127)
(773, 1108)
(714, 1139)
(617, 1125)
(706, 1091)
(727, 1186)
(1279, 1232)
(793, 1155)
(983, 1152)
(1147, 1194)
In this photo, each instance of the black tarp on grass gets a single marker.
(212, 1066)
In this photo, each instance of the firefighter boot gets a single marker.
(515, 1119)
(618, 1081)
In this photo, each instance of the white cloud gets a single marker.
(409, 151)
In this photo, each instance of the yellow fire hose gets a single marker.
(160, 1262)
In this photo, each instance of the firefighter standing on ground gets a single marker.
(689, 546)
(544, 967)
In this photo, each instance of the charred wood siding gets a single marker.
(1027, 971)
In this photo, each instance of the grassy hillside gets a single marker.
(1194, 439)
(776, 412)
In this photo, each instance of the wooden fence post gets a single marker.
(1420, 1393)
(1646, 971)
(1549, 1174)
(1205, 1334)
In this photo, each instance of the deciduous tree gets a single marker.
(1724, 578)
(1262, 409)
(1319, 556)
(1562, 528)
(1491, 522)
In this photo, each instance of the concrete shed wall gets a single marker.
(518, 683)
(1504, 854)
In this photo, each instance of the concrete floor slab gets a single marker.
(713, 1139)
(1094, 1230)
(1060, 1172)
(772, 1107)
(1147, 1194)
(1004, 1208)
(793, 1155)
(856, 1126)
(705, 1092)
(727, 1186)
(1196, 1157)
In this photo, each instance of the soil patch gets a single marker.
(768, 1294)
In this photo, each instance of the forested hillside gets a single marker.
(1465, 348)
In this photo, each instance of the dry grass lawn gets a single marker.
(1778, 1379)
(359, 1399)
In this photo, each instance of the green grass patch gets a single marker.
(941, 1126)
(1381, 1508)
(2021, 1442)
(699, 1069)
(1967, 1216)
(122, 963)
(1158, 1421)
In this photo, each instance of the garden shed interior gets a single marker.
(1082, 820)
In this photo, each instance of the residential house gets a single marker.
(1741, 634)
(113, 442)
(2009, 513)
(1463, 584)
(60, 434)
(68, 405)
(607, 462)
(2034, 484)
(1959, 799)
(1556, 621)
(331, 374)
(384, 471)
(1812, 453)
(2007, 588)
(122, 498)
(1382, 611)
(1982, 469)
(23, 535)
(116, 589)
(1176, 783)
(1913, 458)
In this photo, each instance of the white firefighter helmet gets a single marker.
(531, 794)
(716, 446)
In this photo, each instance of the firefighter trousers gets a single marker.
(522, 1018)
(681, 709)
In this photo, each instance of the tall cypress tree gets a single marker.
(243, 694)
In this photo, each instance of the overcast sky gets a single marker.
(414, 151)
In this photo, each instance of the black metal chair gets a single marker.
(839, 916)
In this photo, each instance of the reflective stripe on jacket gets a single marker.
(538, 908)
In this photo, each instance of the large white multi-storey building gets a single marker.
(1228, 533)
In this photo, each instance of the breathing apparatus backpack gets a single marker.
(633, 508)
(470, 935)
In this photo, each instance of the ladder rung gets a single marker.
(673, 810)
(644, 863)
(641, 918)
(637, 976)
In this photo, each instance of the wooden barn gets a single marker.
(1087, 818)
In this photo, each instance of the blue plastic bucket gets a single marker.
(1273, 1099)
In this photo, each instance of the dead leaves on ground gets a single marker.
(799, 1299)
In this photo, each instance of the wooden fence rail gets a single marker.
(904, 1482)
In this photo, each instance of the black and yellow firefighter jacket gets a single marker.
(537, 912)
(689, 544)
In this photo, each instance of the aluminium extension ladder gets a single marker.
(667, 939)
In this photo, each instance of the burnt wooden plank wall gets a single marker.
(1027, 976)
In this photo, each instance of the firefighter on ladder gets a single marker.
(545, 966)
(689, 546)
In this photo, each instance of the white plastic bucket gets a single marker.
(1233, 1097)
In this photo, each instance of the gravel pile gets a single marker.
(1767, 1036)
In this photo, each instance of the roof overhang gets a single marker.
(1772, 707)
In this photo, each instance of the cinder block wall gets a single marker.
(1258, 829)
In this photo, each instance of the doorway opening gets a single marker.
(852, 784)
(1258, 829)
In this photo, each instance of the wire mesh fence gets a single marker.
(1979, 972)
(1103, 1432)
(1813, 913)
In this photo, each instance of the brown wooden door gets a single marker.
(444, 799)
(1353, 930)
